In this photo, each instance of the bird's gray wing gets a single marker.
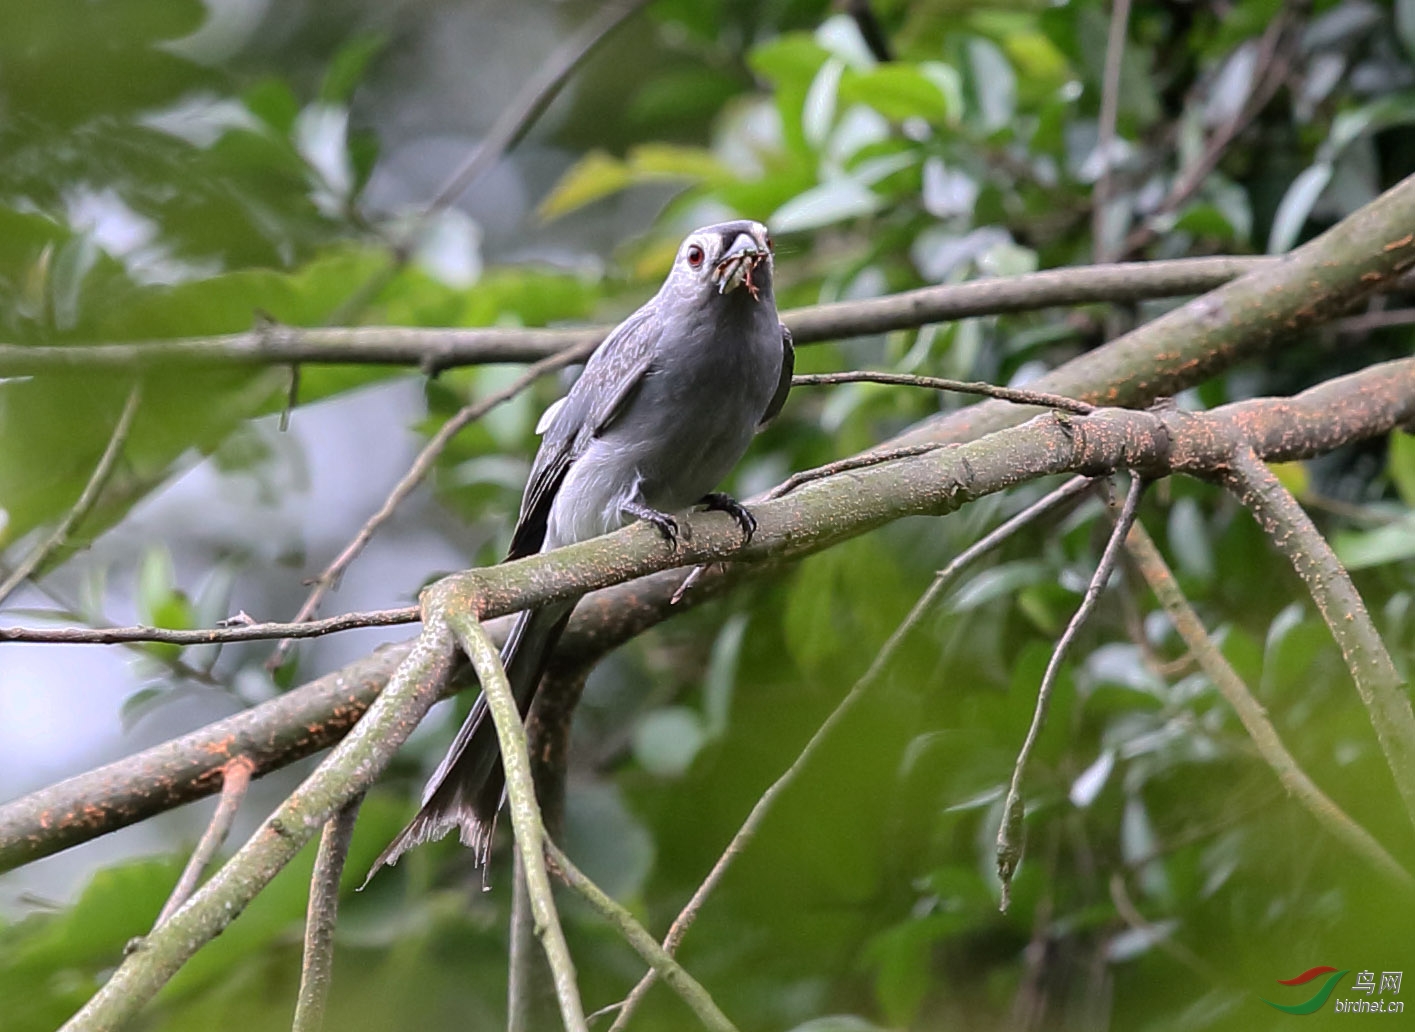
(611, 378)
(783, 384)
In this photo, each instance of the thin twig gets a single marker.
(322, 915)
(698, 999)
(871, 31)
(235, 779)
(210, 635)
(1019, 395)
(1130, 914)
(534, 97)
(455, 607)
(1250, 711)
(1367, 322)
(1067, 491)
(1378, 682)
(1268, 77)
(1105, 128)
(87, 498)
(419, 469)
(1009, 833)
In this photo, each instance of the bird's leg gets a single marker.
(719, 502)
(666, 524)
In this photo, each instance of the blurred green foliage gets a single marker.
(1168, 882)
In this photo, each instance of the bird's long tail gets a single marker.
(466, 789)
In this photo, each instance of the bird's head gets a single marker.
(728, 258)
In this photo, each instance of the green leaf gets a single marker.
(1296, 205)
(1400, 465)
(791, 57)
(1361, 549)
(667, 740)
(899, 91)
(347, 69)
(835, 201)
(593, 177)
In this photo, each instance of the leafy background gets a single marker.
(169, 169)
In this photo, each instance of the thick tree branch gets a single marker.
(1251, 713)
(1162, 357)
(348, 771)
(1379, 684)
(321, 916)
(1367, 251)
(436, 349)
(460, 604)
(813, 517)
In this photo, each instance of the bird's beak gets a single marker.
(736, 264)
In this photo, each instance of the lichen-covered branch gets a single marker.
(459, 604)
(349, 770)
(813, 517)
(435, 349)
(321, 916)
(1251, 713)
(1379, 684)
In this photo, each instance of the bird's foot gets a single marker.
(664, 523)
(719, 502)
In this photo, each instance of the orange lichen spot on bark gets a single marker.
(1405, 241)
(1371, 277)
(221, 746)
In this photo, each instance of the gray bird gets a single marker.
(662, 413)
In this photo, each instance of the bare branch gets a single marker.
(1268, 76)
(936, 383)
(87, 498)
(436, 349)
(685, 985)
(1250, 711)
(1105, 129)
(348, 771)
(459, 607)
(235, 779)
(935, 481)
(534, 97)
(1379, 684)
(1071, 489)
(1009, 832)
(1365, 252)
(321, 916)
(211, 635)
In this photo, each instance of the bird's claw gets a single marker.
(662, 522)
(719, 502)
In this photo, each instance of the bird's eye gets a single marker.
(695, 256)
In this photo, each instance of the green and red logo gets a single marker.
(1318, 998)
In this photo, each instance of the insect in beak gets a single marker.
(734, 268)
